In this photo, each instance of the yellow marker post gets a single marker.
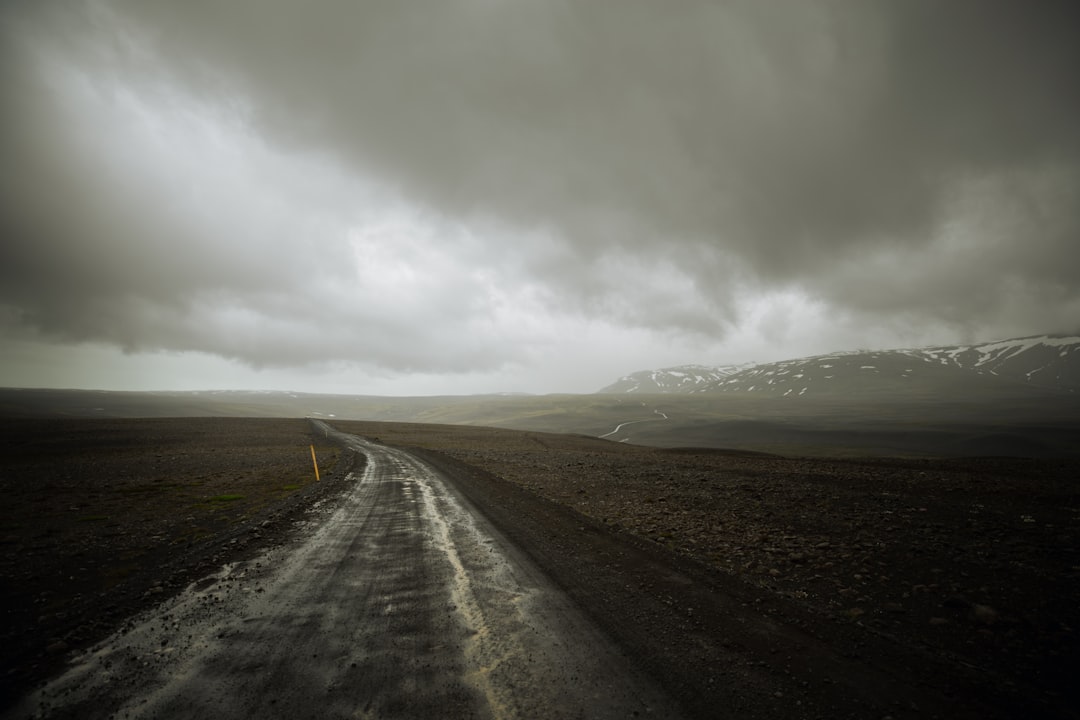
(314, 462)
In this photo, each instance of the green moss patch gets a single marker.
(224, 498)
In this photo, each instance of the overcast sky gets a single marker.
(457, 196)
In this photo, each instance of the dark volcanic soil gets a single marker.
(938, 579)
(963, 575)
(102, 517)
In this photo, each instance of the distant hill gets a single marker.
(1044, 361)
(680, 379)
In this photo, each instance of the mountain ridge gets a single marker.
(678, 378)
(1048, 362)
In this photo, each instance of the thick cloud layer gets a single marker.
(283, 182)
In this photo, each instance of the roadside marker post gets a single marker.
(315, 462)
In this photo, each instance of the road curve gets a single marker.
(620, 426)
(401, 602)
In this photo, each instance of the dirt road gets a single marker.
(402, 603)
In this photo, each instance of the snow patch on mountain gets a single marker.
(1046, 361)
(679, 379)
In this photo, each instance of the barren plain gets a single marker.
(749, 585)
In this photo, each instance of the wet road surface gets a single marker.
(400, 602)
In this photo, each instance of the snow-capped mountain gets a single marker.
(1045, 361)
(847, 373)
(681, 379)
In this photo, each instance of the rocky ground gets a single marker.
(101, 517)
(973, 564)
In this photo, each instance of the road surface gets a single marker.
(620, 426)
(400, 602)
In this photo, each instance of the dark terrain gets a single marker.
(956, 420)
(750, 585)
(103, 517)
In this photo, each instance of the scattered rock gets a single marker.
(956, 602)
(984, 614)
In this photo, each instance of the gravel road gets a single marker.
(400, 602)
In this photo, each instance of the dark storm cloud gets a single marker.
(784, 134)
(914, 159)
